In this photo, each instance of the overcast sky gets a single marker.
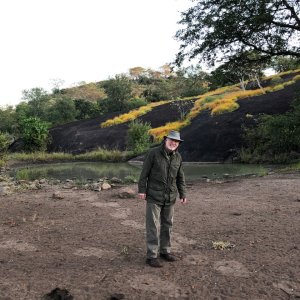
(82, 40)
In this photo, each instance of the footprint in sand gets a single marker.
(231, 268)
(17, 245)
(159, 286)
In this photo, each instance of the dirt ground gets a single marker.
(92, 243)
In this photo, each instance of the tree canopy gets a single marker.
(215, 30)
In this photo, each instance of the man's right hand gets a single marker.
(142, 196)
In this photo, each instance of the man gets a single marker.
(160, 181)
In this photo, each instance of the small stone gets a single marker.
(4, 190)
(116, 180)
(106, 186)
(68, 186)
(33, 186)
(96, 187)
(57, 195)
(42, 181)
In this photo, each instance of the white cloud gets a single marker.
(82, 40)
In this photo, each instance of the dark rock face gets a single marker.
(208, 138)
(86, 135)
(215, 138)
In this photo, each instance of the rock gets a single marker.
(127, 193)
(42, 181)
(105, 186)
(68, 186)
(116, 180)
(117, 296)
(69, 180)
(57, 195)
(96, 187)
(58, 293)
(33, 186)
(4, 190)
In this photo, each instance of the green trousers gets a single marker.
(159, 222)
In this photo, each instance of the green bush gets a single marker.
(135, 103)
(138, 138)
(275, 139)
(35, 134)
(4, 143)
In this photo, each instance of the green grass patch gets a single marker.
(97, 155)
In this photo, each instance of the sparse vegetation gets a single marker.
(138, 139)
(222, 245)
(275, 138)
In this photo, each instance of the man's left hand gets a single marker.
(183, 201)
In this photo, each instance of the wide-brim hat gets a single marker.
(174, 135)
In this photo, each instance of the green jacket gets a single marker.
(162, 176)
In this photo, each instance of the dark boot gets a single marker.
(168, 257)
(153, 262)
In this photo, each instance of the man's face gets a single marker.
(171, 145)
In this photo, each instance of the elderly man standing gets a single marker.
(161, 179)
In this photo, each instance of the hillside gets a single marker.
(207, 137)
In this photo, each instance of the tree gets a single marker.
(8, 121)
(119, 91)
(136, 72)
(38, 101)
(285, 63)
(86, 109)
(62, 111)
(215, 29)
(239, 68)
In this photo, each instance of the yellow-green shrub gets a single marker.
(277, 88)
(132, 115)
(225, 107)
(159, 132)
(297, 77)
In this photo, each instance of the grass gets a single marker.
(292, 168)
(132, 115)
(97, 155)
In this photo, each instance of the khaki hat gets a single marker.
(174, 135)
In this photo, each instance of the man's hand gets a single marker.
(142, 196)
(183, 201)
